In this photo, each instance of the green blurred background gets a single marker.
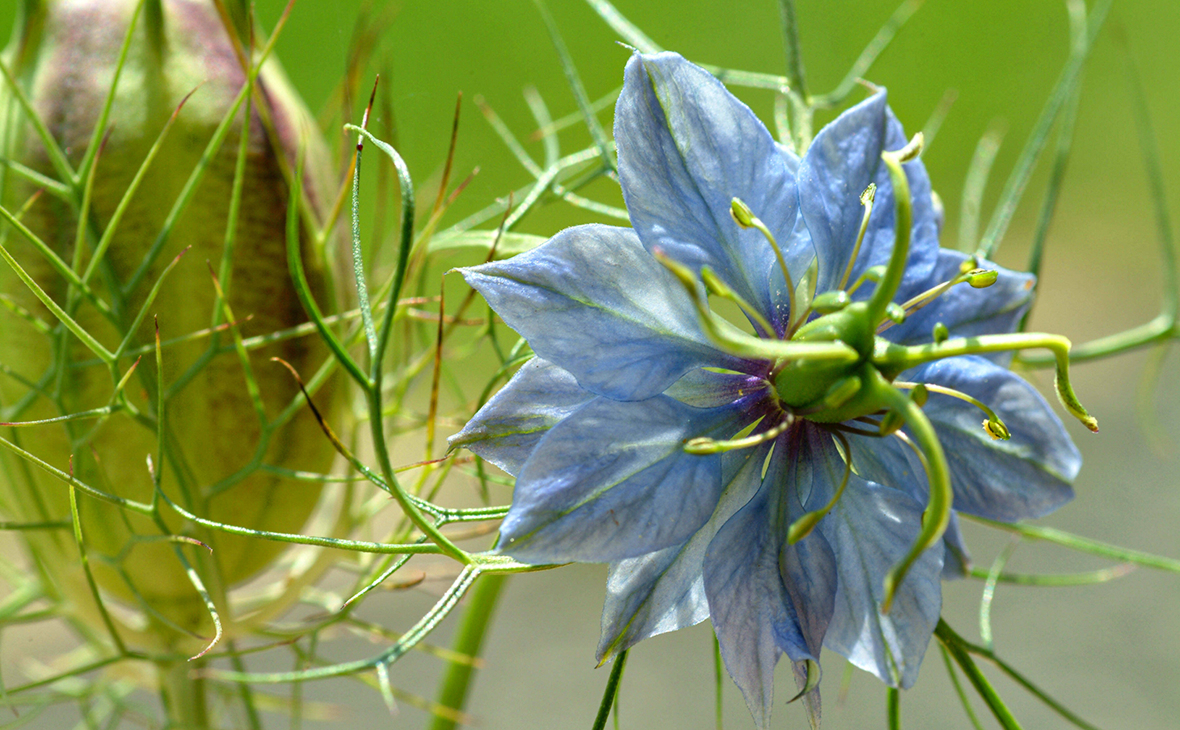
(1110, 652)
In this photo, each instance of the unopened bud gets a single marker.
(895, 312)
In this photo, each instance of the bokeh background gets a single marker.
(1110, 652)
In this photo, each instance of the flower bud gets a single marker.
(65, 61)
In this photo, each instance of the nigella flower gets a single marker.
(773, 482)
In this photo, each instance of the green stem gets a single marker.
(303, 289)
(376, 373)
(85, 558)
(1089, 577)
(1155, 179)
(796, 78)
(950, 670)
(469, 638)
(611, 691)
(30, 16)
(801, 106)
(1024, 682)
(1067, 82)
(893, 708)
(1082, 544)
(184, 696)
(954, 645)
(718, 674)
(989, 591)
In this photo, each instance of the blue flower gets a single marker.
(772, 482)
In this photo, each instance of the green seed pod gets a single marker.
(64, 58)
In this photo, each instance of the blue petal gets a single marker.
(891, 463)
(665, 590)
(765, 596)
(686, 148)
(870, 529)
(613, 481)
(841, 162)
(593, 302)
(790, 158)
(964, 310)
(509, 426)
(1023, 478)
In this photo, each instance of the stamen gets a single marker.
(911, 151)
(803, 526)
(745, 218)
(705, 445)
(905, 439)
(866, 199)
(994, 425)
(969, 273)
(903, 221)
(718, 287)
